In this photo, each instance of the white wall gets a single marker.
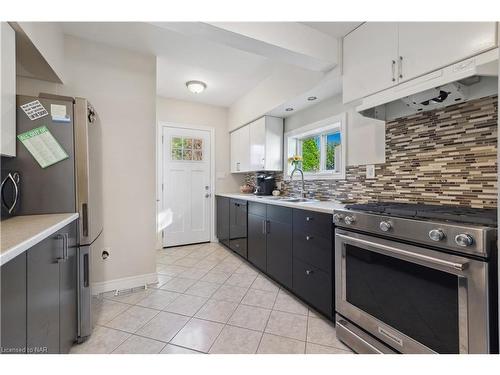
(365, 137)
(121, 85)
(190, 113)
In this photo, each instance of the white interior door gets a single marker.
(186, 186)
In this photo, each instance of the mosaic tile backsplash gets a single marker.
(446, 156)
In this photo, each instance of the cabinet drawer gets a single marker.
(313, 223)
(239, 246)
(257, 208)
(279, 214)
(313, 286)
(313, 249)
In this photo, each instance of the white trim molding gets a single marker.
(313, 129)
(124, 283)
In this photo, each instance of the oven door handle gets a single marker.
(460, 266)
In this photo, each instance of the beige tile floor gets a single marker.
(208, 300)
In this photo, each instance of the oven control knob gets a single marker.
(464, 240)
(349, 220)
(385, 226)
(337, 218)
(436, 235)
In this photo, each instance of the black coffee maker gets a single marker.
(265, 184)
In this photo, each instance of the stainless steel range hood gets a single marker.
(472, 78)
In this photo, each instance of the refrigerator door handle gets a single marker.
(86, 270)
(85, 220)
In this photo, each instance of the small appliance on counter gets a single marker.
(265, 184)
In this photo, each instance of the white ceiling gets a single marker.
(229, 72)
(335, 29)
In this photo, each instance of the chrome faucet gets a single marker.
(303, 193)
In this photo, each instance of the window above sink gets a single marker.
(322, 146)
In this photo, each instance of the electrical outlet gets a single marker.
(370, 171)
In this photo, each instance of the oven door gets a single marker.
(414, 299)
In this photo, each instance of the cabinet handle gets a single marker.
(309, 272)
(309, 218)
(268, 226)
(66, 253)
(263, 227)
(308, 238)
(393, 70)
(237, 166)
(62, 258)
(400, 66)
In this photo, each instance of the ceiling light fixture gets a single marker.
(311, 98)
(196, 87)
(288, 109)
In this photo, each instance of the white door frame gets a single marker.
(159, 173)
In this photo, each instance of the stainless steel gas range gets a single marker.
(416, 278)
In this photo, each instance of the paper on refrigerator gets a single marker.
(43, 146)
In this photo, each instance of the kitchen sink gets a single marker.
(299, 200)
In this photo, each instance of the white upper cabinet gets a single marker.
(427, 46)
(240, 151)
(377, 56)
(258, 146)
(370, 54)
(8, 90)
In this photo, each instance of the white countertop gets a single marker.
(318, 206)
(19, 233)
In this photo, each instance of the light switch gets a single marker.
(370, 171)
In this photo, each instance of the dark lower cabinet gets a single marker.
(270, 240)
(279, 252)
(223, 220)
(314, 286)
(43, 296)
(13, 306)
(68, 292)
(257, 232)
(313, 259)
(238, 226)
(293, 246)
(39, 296)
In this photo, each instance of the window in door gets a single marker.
(187, 149)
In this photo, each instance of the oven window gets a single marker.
(418, 301)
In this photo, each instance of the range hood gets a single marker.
(472, 78)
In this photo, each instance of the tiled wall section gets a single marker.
(446, 156)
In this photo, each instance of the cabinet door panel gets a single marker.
(238, 226)
(257, 241)
(13, 306)
(314, 286)
(43, 296)
(427, 46)
(258, 144)
(240, 150)
(223, 220)
(279, 252)
(369, 52)
(68, 292)
(313, 249)
(313, 223)
(7, 90)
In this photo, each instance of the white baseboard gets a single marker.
(124, 283)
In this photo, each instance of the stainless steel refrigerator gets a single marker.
(71, 185)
